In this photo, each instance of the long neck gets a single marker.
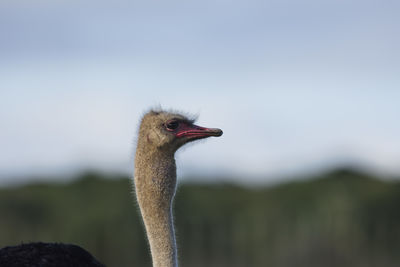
(155, 184)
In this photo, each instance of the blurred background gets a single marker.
(307, 93)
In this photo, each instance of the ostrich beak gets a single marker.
(196, 132)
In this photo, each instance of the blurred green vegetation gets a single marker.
(342, 218)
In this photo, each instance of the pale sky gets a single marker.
(297, 86)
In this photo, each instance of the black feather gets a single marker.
(46, 255)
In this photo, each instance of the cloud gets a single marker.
(293, 85)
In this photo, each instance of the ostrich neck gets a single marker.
(155, 184)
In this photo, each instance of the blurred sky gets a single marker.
(297, 86)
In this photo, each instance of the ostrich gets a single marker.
(161, 134)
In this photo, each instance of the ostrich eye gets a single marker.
(172, 125)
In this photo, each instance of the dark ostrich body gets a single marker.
(46, 255)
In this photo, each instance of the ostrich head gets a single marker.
(168, 131)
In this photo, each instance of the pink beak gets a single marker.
(195, 131)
